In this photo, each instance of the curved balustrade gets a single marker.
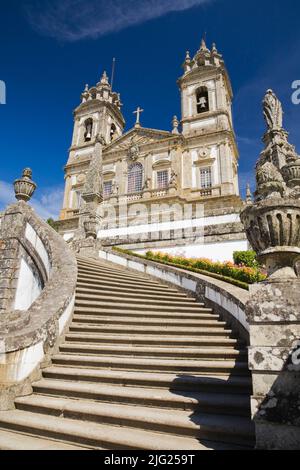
(38, 274)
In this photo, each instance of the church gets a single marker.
(172, 190)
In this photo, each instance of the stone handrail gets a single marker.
(226, 299)
(38, 274)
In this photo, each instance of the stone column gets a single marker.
(273, 312)
(85, 240)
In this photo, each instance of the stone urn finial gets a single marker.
(25, 187)
(272, 223)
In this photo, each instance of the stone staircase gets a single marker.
(143, 366)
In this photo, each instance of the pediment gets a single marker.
(136, 138)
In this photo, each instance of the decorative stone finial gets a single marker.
(272, 110)
(187, 64)
(272, 222)
(24, 187)
(214, 48)
(85, 95)
(104, 79)
(175, 124)
(248, 195)
(203, 46)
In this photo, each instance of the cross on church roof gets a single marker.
(138, 114)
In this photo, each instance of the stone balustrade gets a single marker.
(38, 274)
(226, 299)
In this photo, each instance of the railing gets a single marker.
(227, 300)
(38, 275)
(145, 194)
(205, 192)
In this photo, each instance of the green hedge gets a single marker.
(246, 258)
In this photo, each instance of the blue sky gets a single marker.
(50, 49)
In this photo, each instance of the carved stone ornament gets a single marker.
(272, 110)
(90, 227)
(24, 187)
(204, 153)
(100, 139)
(133, 152)
(272, 223)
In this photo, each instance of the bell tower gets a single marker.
(206, 101)
(98, 116)
(98, 113)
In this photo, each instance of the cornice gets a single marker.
(97, 105)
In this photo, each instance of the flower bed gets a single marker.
(240, 276)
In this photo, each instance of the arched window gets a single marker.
(113, 131)
(88, 125)
(202, 101)
(135, 178)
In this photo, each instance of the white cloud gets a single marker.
(47, 201)
(72, 20)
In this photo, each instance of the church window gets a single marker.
(162, 179)
(88, 130)
(107, 188)
(113, 131)
(202, 101)
(135, 178)
(205, 178)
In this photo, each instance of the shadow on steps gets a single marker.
(222, 411)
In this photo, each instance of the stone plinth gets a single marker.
(273, 314)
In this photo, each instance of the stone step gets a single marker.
(153, 364)
(184, 382)
(116, 276)
(150, 351)
(104, 267)
(98, 271)
(89, 326)
(141, 306)
(100, 297)
(115, 319)
(120, 293)
(111, 281)
(127, 289)
(19, 441)
(238, 405)
(231, 429)
(152, 314)
(186, 341)
(102, 436)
